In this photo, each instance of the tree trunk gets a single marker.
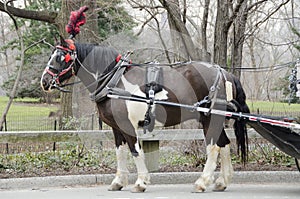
(65, 98)
(239, 28)
(182, 41)
(221, 34)
(83, 106)
(89, 33)
(205, 55)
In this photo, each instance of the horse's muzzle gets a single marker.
(46, 82)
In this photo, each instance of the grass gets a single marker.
(274, 108)
(28, 114)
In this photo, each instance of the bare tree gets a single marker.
(182, 41)
(205, 55)
(226, 14)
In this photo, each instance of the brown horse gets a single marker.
(198, 83)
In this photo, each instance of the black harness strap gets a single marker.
(153, 85)
(109, 80)
(154, 80)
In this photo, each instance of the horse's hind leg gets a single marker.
(226, 170)
(121, 178)
(207, 176)
(213, 131)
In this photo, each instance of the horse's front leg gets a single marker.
(226, 170)
(143, 174)
(207, 176)
(121, 178)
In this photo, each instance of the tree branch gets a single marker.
(235, 11)
(256, 4)
(273, 12)
(46, 16)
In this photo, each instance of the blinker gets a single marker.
(68, 57)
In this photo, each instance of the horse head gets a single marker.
(60, 66)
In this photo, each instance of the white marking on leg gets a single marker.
(211, 163)
(226, 171)
(143, 174)
(121, 178)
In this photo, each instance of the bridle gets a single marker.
(70, 56)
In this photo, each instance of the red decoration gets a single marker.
(68, 57)
(77, 19)
(71, 44)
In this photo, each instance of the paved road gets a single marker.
(180, 191)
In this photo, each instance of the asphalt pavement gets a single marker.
(266, 184)
(164, 191)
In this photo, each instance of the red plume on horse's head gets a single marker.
(77, 18)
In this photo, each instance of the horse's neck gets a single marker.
(92, 62)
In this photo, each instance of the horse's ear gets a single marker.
(55, 39)
(62, 41)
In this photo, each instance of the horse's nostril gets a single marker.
(45, 84)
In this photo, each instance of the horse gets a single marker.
(192, 83)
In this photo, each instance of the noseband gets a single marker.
(70, 56)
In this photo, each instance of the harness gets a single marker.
(109, 80)
(70, 55)
(105, 81)
(212, 98)
(153, 85)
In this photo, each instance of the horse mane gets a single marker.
(97, 58)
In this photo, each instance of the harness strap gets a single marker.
(153, 84)
(212, 96)
(213, 91)
(110, 80)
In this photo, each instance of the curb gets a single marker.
(156, 178)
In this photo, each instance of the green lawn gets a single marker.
(27, 114)
(274, 108)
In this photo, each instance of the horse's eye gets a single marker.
(60, 58)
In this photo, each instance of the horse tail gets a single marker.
(240, 128)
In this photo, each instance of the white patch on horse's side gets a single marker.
(137, 110)
(162, 95)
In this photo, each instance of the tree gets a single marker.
(40, 11)
(36, 56)
(182, 41)
(229, 25)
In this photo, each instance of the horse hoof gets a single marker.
(115, 187)
(219, 187)
(138, 189)
(198, 189)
